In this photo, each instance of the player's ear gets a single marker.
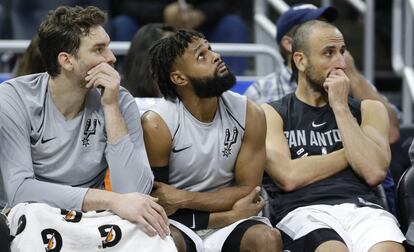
(178, 78)
(65, 61)
(300, 61)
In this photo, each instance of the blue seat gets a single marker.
(5, 76)
(242, 83)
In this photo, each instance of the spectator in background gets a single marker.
(137, 76)
(31, 61)
(217, 19)
(27, 15)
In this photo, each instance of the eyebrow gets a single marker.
(99, 45)
(333, 47)
(200, 45)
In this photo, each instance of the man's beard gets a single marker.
(213, 86)
(315, 82)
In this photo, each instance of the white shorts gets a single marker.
(38, 226)
(212, 240)
(360, 227)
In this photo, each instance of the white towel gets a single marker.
(37, 227)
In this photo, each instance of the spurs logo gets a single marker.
(111, 235)
(52, 239)
(229, 140)
(89, 130)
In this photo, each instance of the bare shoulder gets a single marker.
(254, 110)
(255, 119)
(153, 122)
(373, 107)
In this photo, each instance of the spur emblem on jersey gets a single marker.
(229, 140)
(90, 129)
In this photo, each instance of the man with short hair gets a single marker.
(206, 146)
(326, 152)
(62, 129)
(280, 83)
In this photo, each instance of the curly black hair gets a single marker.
(163, 55)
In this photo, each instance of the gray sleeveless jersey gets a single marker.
(203, 155)
(46, 158)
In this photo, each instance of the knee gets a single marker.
(266, 239)
(273, 237)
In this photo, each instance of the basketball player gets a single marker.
(61, 129)
(207, 146)
(326, 152)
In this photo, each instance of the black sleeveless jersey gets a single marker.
(313, 131)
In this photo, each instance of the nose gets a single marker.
(340, 62)
(110, 57)
(216, 57)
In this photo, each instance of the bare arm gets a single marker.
(245, 207)
(294, 174)
(361, 89)
(366, 146)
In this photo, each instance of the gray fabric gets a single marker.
(203, 155)
(46, 158)
(2, 193)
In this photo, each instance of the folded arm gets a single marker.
(293, 174)
(366, 146)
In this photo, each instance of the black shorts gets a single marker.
(311, 241)
(5, 238)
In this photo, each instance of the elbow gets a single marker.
(288, 184)
(394, 134)
(375, 178)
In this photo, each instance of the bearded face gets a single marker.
(213, 86)
(315, 79)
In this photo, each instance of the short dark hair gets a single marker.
(137, 78)
(62, 29)
(301, 40)
(163, 55)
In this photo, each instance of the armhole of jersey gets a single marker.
(232, 103)
(163, 109)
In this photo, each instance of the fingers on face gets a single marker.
(102, 74)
